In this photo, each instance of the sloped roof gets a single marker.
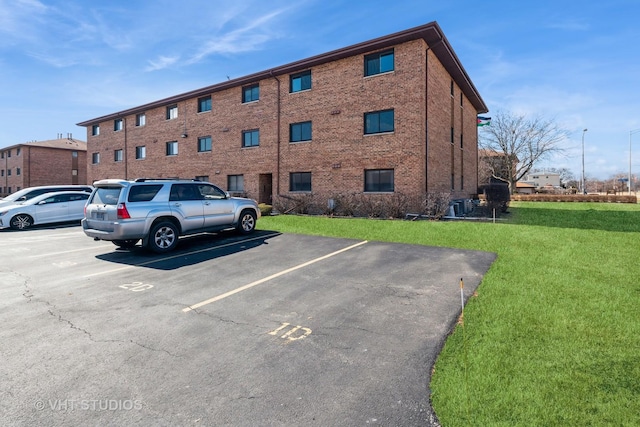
(524, 184)
(431, 33)
(60, 143)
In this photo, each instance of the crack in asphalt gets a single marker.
(51, 308)
(91, 337)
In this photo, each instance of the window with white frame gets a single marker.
(172, 148)
(172, 112)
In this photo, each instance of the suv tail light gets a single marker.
(123, 213)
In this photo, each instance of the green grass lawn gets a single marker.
(553, 336)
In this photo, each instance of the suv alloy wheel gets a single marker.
(163, 237)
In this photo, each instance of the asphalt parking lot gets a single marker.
(271, 329)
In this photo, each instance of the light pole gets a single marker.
(584, 191)
(631, 132)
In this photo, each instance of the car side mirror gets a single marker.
(227, 195)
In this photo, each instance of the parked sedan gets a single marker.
(31, 192)
(46, 208)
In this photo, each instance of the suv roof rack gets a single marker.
(165, 179)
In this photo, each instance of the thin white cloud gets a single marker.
(243, 39)
(239, 40)
(162, 62)
(52, 60)
(21, 19)
(569, 25)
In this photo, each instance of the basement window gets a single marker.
(300, 181)
(379, 181)
(235, 183)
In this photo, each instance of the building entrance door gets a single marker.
(266, 188)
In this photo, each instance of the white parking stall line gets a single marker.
(10, 241)
(92, 248)
(266, 279)
(180, 255)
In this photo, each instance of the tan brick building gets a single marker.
(61, 161)
(394, 114)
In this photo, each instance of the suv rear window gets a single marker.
(143, 193)
(106, 196)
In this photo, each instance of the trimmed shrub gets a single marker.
(392, 205)
(265, 210)
(498, 196)
(603, 198)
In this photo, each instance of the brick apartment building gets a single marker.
(393, 114)
(60, 161)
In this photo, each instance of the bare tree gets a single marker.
(519, 143)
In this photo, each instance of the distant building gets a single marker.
(53, 162)
(525, 188)
(495, 165)
(397, 114)
(541, 180)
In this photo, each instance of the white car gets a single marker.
(31, 192)
(61, 206)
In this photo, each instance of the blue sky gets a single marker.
(576, 62)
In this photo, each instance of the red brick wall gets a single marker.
(42, 166)
(339, 151)
(444, 157)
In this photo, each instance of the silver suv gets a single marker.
(158, 211)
